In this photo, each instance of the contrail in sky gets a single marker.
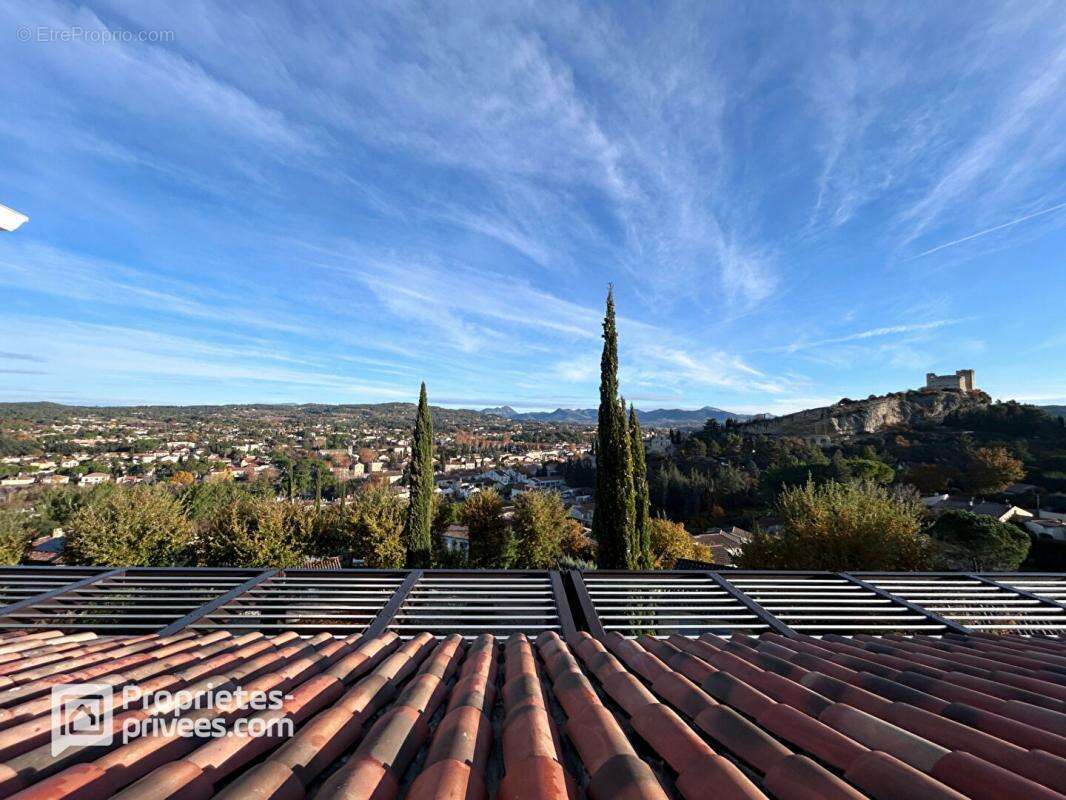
(989, 230)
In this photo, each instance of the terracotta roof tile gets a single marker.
(380, 717)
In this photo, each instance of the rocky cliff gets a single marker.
(854, 417)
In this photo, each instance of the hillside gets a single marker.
(913, 409)
(1054, 411)
(397, 413)
(659, 418)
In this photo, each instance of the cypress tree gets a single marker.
(417, 531)
(318, 489)
(641, 531)
(632, 561)
(612, 519)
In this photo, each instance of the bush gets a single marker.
(142, 526)
(843, 526)
(569, 562)
(491, 542)
(15, 536)
(248, 531)
(373, 528)
(974, 542)
(539, 518)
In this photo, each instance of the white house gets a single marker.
(456, 537)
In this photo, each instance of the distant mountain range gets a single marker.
(1055, 411)
(659, 418)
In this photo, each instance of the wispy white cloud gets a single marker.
(406, 192)
(1022, 114)
(104, 353)
(872, 333)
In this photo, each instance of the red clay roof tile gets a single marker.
(380, 717)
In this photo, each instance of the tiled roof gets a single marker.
(380, 717)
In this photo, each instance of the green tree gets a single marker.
(992, 469)
(841, 527)
(15, 536)
(417, 533)
(317, 472)
(975, 542)
(140, 526)
(641, 500)
(612, 522)
(203, 500)
(491, 541)
(928, 478)
(839, 468)
(247, 531)
(538, 523)
(445, 513)
(373, 528)
(871, 470)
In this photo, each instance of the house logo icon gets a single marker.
(81, 715)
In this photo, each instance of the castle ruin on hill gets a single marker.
(962, 380)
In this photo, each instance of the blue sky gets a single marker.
(796, 202)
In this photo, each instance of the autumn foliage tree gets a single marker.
(574, 544)
(928, 478)
(668, 541)
(992, 469)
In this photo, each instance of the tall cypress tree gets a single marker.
(641, 531)
(318, 489)
(417, 531)
(612, 519)
(632, 561)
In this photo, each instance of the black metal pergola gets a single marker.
(166, 601)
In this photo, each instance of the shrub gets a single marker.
(247, 531)
(141, 526)
(15, 536)
(538, 523)
(843, 526)
(373, 528)
(975, 542)
(491, 542)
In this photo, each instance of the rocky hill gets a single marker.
(847, 418)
